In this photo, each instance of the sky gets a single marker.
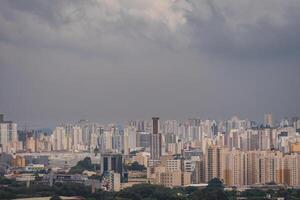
(117, 60)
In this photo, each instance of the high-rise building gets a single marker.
(155, 125)
(107, 140)
(77, 138)
(297, 125)
(111, 162)
(59, 140)
(156, 140)
(291, 170)
(251, 167)
(143, 139)
(232, 169)
(8, 136)
(170, 126)
(268, 120)
(129, 139)
(234, 139)
(212, 163)
(198, 174)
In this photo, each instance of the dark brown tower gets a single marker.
(155, 121)
(155, 140)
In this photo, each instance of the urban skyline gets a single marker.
(239, 152)
(151, 99)
(24, 124)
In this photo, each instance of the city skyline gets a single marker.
(149, 99)
(238, 152)
(112, 61)
(262, 122)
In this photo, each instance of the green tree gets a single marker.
(209, 194)
(55, 197)
(85, 164)
(213, 191)
(231, 194)
(215, 183)
(253, 193)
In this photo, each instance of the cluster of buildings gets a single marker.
(240, 152)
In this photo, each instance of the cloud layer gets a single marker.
(121, 59)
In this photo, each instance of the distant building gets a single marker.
(156, 140)
(111, 162)
(268, 120)
(129, 139)
(295, 148)
(59, 139)
(52, 178)
(77, 142)
(8, 136)
(143, 139)
(37, 159)
(114, 181)
(212, 163)
(142, 158)
(18, 161)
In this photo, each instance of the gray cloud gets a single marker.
(115, 60)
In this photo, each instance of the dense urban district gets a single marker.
(152, 159)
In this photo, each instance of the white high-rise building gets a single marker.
(8, 137)
(170, 126)
(129, 139)
(268, 120)
(107, 140)
(59, 139)
(77, 138)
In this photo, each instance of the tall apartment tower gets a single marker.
(268, 121)
(58, 137)
(213, 163)
(8, 136)
(155, 140)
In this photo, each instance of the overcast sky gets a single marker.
(116, 60)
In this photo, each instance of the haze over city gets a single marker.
(113, 61)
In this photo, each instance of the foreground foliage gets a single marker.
(10, 189)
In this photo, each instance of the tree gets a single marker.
(149, 192)
(85, 164)
(215, 183)
(71, 189)
(55, 197)
(253, 193)
(231, 194)
(209, 194)
(213, 191)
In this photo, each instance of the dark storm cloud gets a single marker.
(267, 34)
(115, 60)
